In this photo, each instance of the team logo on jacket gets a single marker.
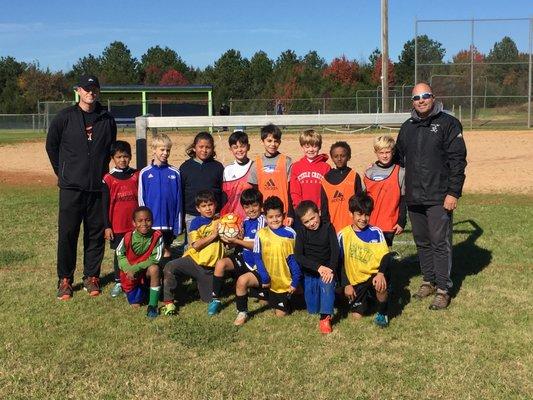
(172, 177)
(434, 128)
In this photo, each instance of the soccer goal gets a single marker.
(363, 121)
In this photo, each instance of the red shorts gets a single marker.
(129, 284)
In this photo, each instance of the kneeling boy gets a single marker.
(274, 257)
(317, 252)
(138, 254)
(200, 258)
(363, 253)
(242, 260)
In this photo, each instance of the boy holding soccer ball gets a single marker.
(199, 260)
(242, 260)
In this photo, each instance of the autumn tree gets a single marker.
(342, 70)
(173, 78)
(157, 61)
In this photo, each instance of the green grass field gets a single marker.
(480, 348)
(8, 136)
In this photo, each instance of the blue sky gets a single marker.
(57, 33)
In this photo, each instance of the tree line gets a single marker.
(289, 76)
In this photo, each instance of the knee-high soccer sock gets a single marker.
(383, 307)
(154, 296)
(242, 303)
(218, 281)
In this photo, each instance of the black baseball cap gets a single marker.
(87, 81)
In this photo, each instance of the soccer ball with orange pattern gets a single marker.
(229, 226)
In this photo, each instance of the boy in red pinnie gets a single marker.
(138, 255)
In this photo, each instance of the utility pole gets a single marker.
(385, 56)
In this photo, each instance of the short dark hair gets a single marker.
(361, 203)
(251, 196)
(238, 137)
(203, 196)
(142, 209)
(342, 144)
(120, 146)
(304, 207)
(273, 203)
(270, 129)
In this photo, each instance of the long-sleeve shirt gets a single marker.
(160, 190)
(306, 178)
(433, 152)
(139, 244)
(274, 258)
(316, 248)
(199, 175)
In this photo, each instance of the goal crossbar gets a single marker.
(146, 122)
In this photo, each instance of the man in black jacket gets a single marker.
(78, 144)
(431, 147)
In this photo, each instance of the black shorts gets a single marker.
(280, 301)
(240, 267)
(168, 237)
(365, 295)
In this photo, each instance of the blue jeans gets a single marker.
(319, 296)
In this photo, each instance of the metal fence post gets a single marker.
(141, 124)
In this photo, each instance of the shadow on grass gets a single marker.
(468, 259)
(10, 257)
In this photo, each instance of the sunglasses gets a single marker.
(424, 96)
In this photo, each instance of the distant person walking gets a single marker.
(431, 147)
(78, 144)
(279, 108)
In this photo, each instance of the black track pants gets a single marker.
(75, 207)
(432, 231)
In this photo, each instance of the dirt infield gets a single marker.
(495, 159)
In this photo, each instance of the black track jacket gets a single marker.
(78, 164)
(433, 152)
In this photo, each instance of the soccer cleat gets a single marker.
(64, 291)
(169, 309)
(151, 312)
(381, 320)
(426, 289)
(440, 301)
(324, 325)
(91, 285)
(242, 317)
(117, 290)
(214, 307)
